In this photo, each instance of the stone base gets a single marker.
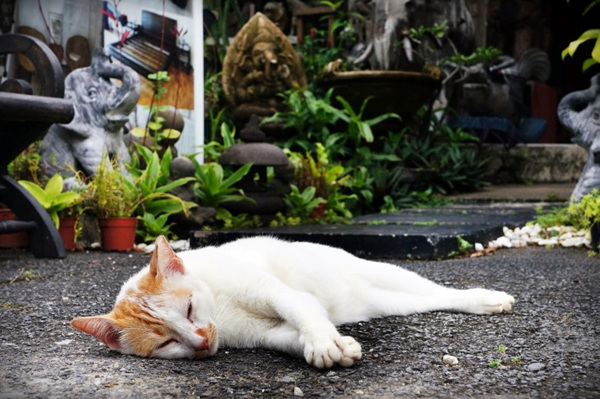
(536, 163)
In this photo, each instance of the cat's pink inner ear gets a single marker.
(164, 261)
(101, 327)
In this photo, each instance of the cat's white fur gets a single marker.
(264, 292)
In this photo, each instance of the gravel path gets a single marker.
(551, 340)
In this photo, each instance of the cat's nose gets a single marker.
(202, 346)
(206, 335)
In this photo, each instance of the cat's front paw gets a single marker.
(484, 301)
(324, 353)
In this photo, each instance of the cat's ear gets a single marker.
(164, 261)
(102, 327)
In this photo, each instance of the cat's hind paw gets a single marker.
(325, 353)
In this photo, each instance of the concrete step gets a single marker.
(415, 233)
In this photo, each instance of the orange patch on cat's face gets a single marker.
(141, 330)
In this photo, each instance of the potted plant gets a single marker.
(61, 206)
(113, 198)
(119, 201)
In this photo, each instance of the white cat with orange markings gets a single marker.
(267, 293)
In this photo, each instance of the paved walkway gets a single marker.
(550, 340)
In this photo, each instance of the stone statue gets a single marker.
(580, 112)
(260, 63)
(102, 107)
(390, 44)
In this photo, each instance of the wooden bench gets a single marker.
(24, 118)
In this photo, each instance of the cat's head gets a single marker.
(160, 312)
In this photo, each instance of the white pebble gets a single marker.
(574, 242)
(548, 241)
(503, 242)
(298, 392)
(535, 366)
(450, 360)
(478, 247)
(180, 245)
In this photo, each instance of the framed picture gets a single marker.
(56, 27)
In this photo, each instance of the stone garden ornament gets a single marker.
(103, 94)
(260, 64)
(580, 112)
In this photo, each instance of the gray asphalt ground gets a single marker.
(551, 339)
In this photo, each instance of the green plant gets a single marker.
(154, 184)
(214, 148)
(310, 117)
(218, 32)
(152, 227)
(154, 132)
(494, 363)
(25, 275)
(558, 216)
(591, 34)
(501, 361)
(111, 193)
(285, 220)
(485, 55)
(463, 245)
(215, 186)
(26, 166)
(302, 203)
(51, 197)
(317, 51)
(433, 222)
(438, 30)
(357, 127)
(447, 159)
(240, 221)
(586, 212)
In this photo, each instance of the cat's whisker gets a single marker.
(222, 308)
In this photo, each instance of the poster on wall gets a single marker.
(156, 41)
(150, 40)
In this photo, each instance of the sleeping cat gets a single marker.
(268, 293)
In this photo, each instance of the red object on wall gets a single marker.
(544, 101)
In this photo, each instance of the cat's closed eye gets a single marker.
(167, 342)
(189, 313)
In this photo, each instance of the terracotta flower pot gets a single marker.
(66, 230)
(12, 240)
(118, 234)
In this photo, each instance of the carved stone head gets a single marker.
(260, 63)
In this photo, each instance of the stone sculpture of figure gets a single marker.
(391, 23)
(260, 63)
(103, 95)
(580, 112)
